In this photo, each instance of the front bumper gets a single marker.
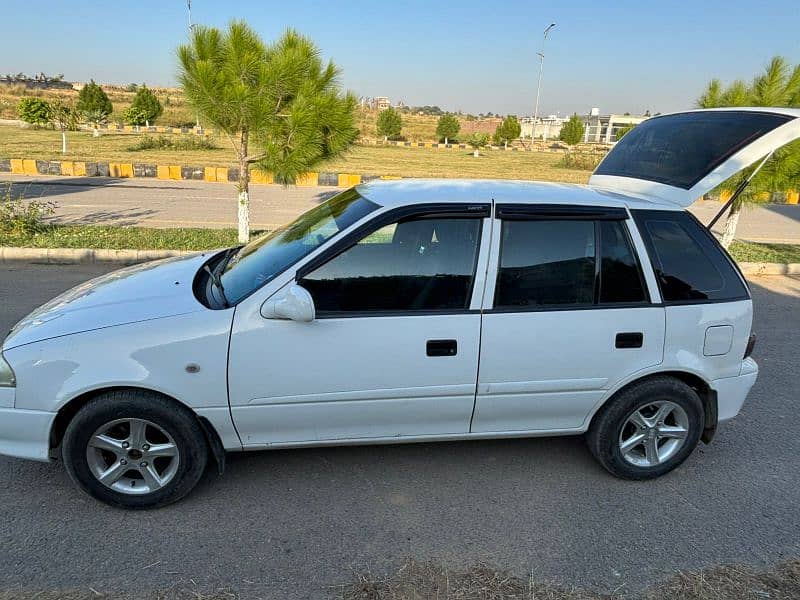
(23, 433)
(732, 391)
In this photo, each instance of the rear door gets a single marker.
(680, 157)
(567, 315)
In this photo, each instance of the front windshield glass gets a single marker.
(272, 253)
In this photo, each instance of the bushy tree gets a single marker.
(144, 109)
(778, 85)
(390, 124)
(509, 130)
(34, 111)
(623, 130)
(477, 141)
(280, 97)
(447, 128)
(93, 101)
(572, 131)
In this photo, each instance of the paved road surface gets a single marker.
(287, 524)
(157, 203)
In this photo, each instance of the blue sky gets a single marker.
(475, 56)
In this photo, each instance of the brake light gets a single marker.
(751, 343)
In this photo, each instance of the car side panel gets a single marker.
(151, 355)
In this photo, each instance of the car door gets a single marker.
(567, 315)
(393, 349)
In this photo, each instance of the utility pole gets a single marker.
(539, 86)
(191, 28)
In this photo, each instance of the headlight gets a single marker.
(7, 378)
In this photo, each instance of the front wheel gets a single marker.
(648, 429)
(134, 449)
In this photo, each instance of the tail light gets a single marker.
(751, 343)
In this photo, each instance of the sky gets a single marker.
(474, 56)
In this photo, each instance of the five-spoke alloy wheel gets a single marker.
(135, 449)
(648, 429)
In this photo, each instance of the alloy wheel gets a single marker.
(653, 433)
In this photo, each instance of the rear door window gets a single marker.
(566, 263)
(689, 263)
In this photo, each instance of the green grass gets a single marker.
(767, 253)
(44, 144)
(121, 238)
(144, 238)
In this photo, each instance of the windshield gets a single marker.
(272, 253)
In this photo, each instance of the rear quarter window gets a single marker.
(689, 263)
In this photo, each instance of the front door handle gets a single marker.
(441, 347)
(631, 339)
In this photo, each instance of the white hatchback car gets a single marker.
(411, 311)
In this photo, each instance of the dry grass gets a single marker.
(45, 144)
(427, 580)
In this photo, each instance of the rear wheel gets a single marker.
(648, 429)
(135, 449)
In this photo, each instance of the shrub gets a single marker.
(586, 161)
(163, 142)
(621, 131)
(390, 123)
(19, 216)
(34, 111)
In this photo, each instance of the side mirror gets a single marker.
(293, 303)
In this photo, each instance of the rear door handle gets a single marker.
(629, 339)
(441, 347)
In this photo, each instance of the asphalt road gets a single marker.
(291, 523)
(157, 203)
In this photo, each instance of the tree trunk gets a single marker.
(244, 190)
(63, 142)
(729, 231)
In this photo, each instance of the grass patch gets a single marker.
(370, 160)
(417, 581)
(121, 238)
(768, 253)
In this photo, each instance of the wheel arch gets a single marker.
(701, 387)
(71, 408)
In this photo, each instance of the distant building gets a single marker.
(604, 128)
(382, 102)
(546, 128)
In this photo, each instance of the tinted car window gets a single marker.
(546, 263)
(679, 150)
(620, 275)
(689, 263)
(412, 265)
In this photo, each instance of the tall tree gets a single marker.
(778, 85)
(390, 124)
(507, 131)
(93, 105)
(447, 128)
(279, 97)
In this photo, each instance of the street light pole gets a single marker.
(539, 85)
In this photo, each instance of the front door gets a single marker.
(392, 352)
(569, 317)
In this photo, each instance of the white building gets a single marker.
(604, 128)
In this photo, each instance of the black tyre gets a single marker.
(134, 449)
(648, 429)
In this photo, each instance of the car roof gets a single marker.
(403, 192)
